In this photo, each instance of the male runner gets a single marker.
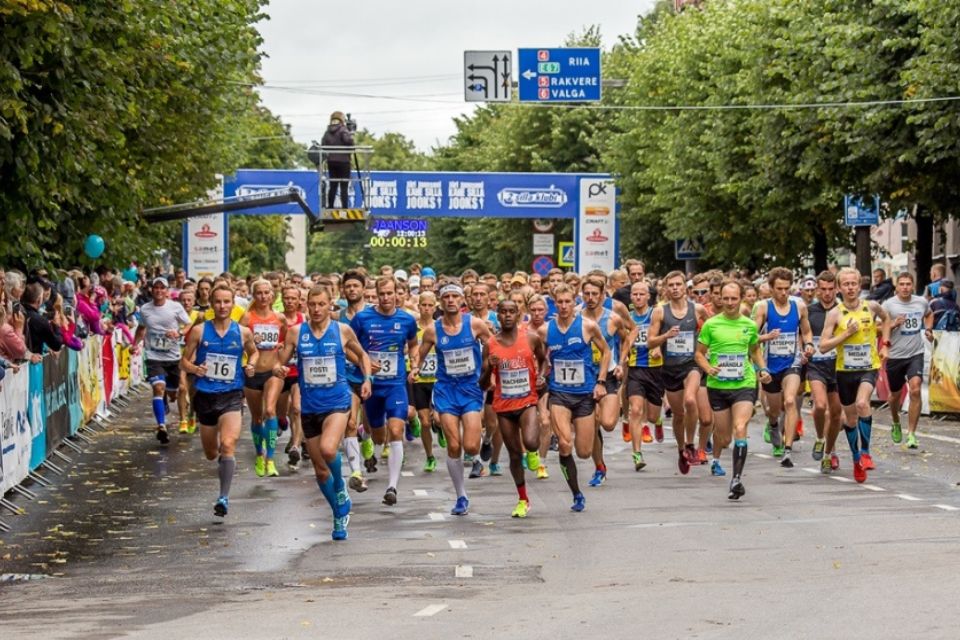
(288, 405)
(422, 388)
(822, 375)
(480, 296)
(537, 307)
(352, 287)
(644, 382)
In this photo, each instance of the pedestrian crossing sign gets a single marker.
(565, 255)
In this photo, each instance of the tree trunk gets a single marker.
(820, 249)
(923, 254)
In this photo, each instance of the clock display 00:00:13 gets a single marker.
(417, 242)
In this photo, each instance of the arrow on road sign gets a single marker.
(529, 74)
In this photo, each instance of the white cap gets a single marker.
(414, 281)
(400, 274)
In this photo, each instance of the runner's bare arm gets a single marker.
(190, 352)
(286, 351)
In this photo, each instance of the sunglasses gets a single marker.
(701, 292)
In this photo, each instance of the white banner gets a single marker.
(543, 244)
(15, 434)
(205, 245)
(596, 241)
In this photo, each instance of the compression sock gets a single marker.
(455, 469)
(160, 411)
(569, 468)
(256, 430)
(326, 488)
(225, 468)
(336, 471)
(739, 456)
(522, 492)
(865, 426)
(395, 463)
(272, 428)
(352, 446)
(853, 437)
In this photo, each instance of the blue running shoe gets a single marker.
(220, 508)
(579, 503)
(716, 469)
(343, 503)
(408, 431)
(461, 508)
(340, 528)
(598, 478)
(709, 448)
(495, 469)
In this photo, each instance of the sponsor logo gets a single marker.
(206, 232)
(596, 211)
(597, 236)
(550, 197)
(266, 190)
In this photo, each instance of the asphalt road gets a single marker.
(125, 545)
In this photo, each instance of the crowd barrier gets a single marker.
(44, 404)
(940, 392)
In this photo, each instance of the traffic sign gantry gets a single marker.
(559, 75)
(487, 76)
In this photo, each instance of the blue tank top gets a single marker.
(639, 353)
(223, 358)
(354, 374)
(612, 340)
(458, 357)
(322, 364)
(494, 320)
(608, 303)
(572, 370)
(383, 338)
(782, 351)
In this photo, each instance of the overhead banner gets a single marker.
(945, 372)
(15, 435)
(596, 235)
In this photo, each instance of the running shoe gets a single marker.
(260, 467)
(390, 497)
(818, 447)
(192, 425)
(645, 436)
(486, 450)
(638, 462)
(554, 443)
(799, 428)
(826, 467)
(495, 469)
(430, 465)
(357, 482)
(304, 454)
(293, 458)
(533, 460)
(162, 435)
(441, 438)
(682, 463)
(691, 453)
(716, 469)
(709, 447)
(786, 463)
(385, 452)
(542, 473)
(859, 473)
(668, 413)
(579, 503)
(477, 470)
(521, 510)
(366, 448)
(866, 461)
(272, 470)
(766, 435)
(777, 451)
(598, 477)
(220, 507)
(736, 489)
(701, 456)
(408, 431)
(461, 508)
(344, 504)
(467, 458)
(416, 426)
(834, 461)
(658, 432)
(370, 464)
(912, 441)
(340, 528)
(523, 461)
(184, 426)
(626, 432)
(896, 432)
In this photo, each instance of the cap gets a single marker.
(414, 281)
(518, 280)
(427, 272)
(400, 274)
(159, 280)
(808, 284)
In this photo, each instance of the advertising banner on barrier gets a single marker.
(106, 364)
(56, 398)
(73, 391)
(945, 372)
(15, 432)
(36, 414)
(88, 372)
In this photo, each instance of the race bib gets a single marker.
(681, 344)
(428, 368)
(569, 373)
(784, 344)
(160, 342)
(221, 367)
(911, 323)
(267, 336)
(857, 356)
(459, 362)
(817, 356)
(641, 340)
(514, 383)
(389, 362)
(730, 365)
(320, 371)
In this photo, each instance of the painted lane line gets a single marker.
(764, 456)
(809, 470)
(457, 544)
(873, 487)
(841, 479)
(463, 571)
(947, 507)
(432, 610)
(436, 517)
(406, 474)
(420, 493)
(907, 496)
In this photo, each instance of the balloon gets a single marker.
(130, 274)
(93, 246)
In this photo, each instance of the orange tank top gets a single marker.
(515, 378)
(267, 331)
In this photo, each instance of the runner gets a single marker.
(186, 388)
(851, 328)
(516, 359)
(731, 341)
(673, 326)
(911, 315)
(213, 355)
(575, 386)
(322, 346)
(457, 396)
(480, 296)
(352, 287)
(422, 388)
(288, 405)
(263, 389)
(644, 382)
(786, 321)
(822, 375)
(162, 322)
(537, 308)
(384, 331)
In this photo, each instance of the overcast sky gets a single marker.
(410, 50)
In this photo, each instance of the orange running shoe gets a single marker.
(800, 428)
(626, 432)
(647, 437)
(859, 473)
(866, 461)
(701, 456)
(658, 431)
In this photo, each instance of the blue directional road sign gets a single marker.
(861, 212)
(559, 75)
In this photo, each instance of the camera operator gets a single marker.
(338, 134)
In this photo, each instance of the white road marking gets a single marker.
(841, 479)
(764, 456)
(457, 544)
(907, 496)
(406, 474)
(463, 571)
(420, 493)
(432, 610)
(873, 487)
(947, 507)
(436, 517)
(809, 470)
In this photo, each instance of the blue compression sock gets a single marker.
(258, 436)
(326, 488)
(272, 429)
(335, 472)
(160, 411)
(865, 426)
(853, 437)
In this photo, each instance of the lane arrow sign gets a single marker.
(529, 75)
